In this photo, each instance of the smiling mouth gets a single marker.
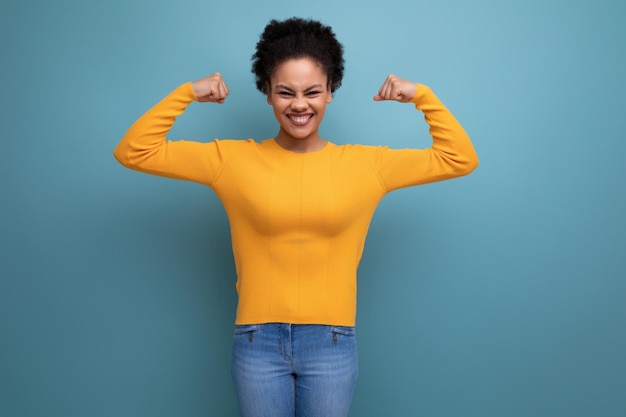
(300, 119)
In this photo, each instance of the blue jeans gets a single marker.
(292, 370)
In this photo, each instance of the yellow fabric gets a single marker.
(298, 220)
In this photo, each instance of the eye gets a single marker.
(284, 94)
(312, 93)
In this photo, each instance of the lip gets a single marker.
(300, 119)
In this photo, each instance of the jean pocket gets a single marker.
(339, 331)
(246, 330)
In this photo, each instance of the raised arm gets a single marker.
(452, 153)
(145, 148)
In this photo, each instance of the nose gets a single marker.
(299, 104)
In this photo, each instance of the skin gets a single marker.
(298, 92)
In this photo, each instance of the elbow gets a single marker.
(471, 164)
(466, 166)
(121, 155)
(470, 161)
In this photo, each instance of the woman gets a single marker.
(299, 209)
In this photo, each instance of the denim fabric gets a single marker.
(292, 370)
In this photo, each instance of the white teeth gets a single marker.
(299, 119)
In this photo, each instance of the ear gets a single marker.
(268, 93)
(329, 99)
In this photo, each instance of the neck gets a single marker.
(312, 144)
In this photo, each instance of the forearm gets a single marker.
(143, 147)
(452, 147)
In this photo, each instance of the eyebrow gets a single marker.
(284, 87)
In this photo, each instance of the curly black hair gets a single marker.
(297, 38)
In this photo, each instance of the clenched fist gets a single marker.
(395, 88)
(211, 89)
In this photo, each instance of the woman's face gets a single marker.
(298, 93)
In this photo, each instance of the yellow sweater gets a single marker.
(298, 220)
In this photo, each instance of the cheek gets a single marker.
(277, 111)
(321, 108)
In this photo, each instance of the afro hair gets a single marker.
(297, 38)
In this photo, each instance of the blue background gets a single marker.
(499, 294)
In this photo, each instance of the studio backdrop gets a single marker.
(497, 294)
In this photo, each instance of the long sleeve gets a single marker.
(451, 155)
(298, 220)
(145, 148)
